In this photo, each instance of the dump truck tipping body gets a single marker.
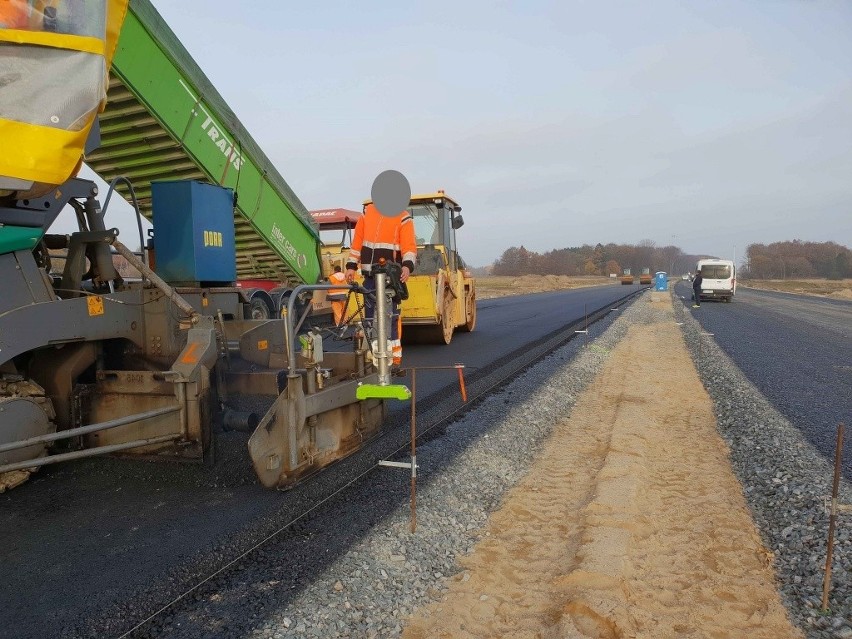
(164, 120)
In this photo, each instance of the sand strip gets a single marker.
(630, 524)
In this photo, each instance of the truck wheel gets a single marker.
(302, 302)
(276, 294)
(260, 307)
(470, 312)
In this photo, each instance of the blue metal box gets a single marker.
(661, 281)
(194, 232)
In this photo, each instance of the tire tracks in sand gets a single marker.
(630, 524)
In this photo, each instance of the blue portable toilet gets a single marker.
(661, 281)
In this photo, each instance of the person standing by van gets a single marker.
(696, 289)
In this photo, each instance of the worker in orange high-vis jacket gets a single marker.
(14, 14)
(337, 296)
(392, 238)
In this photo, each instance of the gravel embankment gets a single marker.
(797, 351)
(784, 479)
(387, 572)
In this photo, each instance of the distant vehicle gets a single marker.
(627, 278)
(718, 279)
(645, 277)
(685, 277)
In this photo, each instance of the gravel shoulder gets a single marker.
(785, 479)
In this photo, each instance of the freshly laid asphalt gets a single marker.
(91, 548)
(797, 350)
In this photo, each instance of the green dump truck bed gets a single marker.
(164, 120)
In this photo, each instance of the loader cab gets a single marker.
(335, 227)
(436, 219)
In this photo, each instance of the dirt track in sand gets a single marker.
(631, 524)
(836, 289)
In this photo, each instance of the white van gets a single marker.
(718, 279)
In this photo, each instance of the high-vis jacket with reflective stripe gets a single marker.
(377, 236)
(337, 293)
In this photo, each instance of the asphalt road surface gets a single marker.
(797, 350)
(90, 548)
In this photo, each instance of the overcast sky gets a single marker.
(706, 124)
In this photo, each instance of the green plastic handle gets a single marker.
(376, 391)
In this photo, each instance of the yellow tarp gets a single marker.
(51, 154)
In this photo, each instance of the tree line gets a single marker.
(797, 259)
(601, 259)
(780, 260)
